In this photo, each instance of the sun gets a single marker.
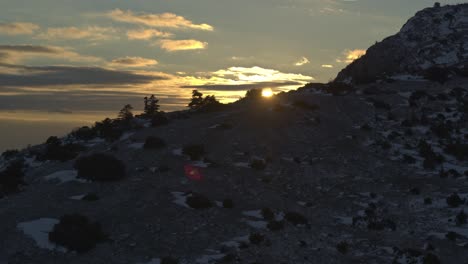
(267, 92)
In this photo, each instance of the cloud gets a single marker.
(18, 53)
(178, 45)
(351, 55)
(302, 61)
(18, 28)
(167, 20)
(45, 76)
(93, 33)
(133, 62)
(241, 87)
(146, 34)
(259, 74)
(327, 66)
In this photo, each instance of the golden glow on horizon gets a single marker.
(267, 92)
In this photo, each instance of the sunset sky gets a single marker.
(68, 55)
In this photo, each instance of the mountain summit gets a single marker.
(434, 37)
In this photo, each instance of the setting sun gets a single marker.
(267, 92)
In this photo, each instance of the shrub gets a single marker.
(198, 201)
(154, 143)
(256, 238)
(169, 260)
(452, 236)
(159, 119)
(268, 214)
(442, 130)
(460, 219)
(194, 151)
(437, 74)
(76, 232)
(12, 177)
(100, 167)
(55, 150)
(408, 159)
(91, 197)
(9, 154)
(342, 247)
(253, 94)
(339, 88)
(108, 129)
(258, 164)
(275, 225)
(454, 200)
(458, 150)
(427, 201)
(228, 203)
(295, 218)
(83, 133)
(305, 105)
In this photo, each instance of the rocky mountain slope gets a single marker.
(378, 175)
(434, 37)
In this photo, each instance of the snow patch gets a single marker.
(64, 176)
(39, 230)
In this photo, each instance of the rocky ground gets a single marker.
(363, 178)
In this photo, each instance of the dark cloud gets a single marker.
(29, 48)
(241, 87)
(67, 75)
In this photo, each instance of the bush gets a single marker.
(90, 197)
(442, 130)
(437, 74)
(458, 150)
(154, 143)
(56, 151)
(109, 129)
(339, 88)
(100, 167)
(342, 247)
(76, 232)
(84, 133)
(268, 214)
(9, 154)
(305, 105)
(228, 203)
(275, 225)
(12, 177)
(198, 201)
(194, 151)
(295, 218)
(159, 119)
(454, 200)
(258, 164)
(169, 260)
(460, 219)
(256, 238)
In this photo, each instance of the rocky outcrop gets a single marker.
(434, 37)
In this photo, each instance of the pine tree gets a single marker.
(126, 113)
(151, 105)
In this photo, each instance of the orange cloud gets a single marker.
(146, 34)
(18, 28)
(178, 45)
(168, 20)
(351, 55)
(133, 62)
(327, 66)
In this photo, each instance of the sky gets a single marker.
(94, 56)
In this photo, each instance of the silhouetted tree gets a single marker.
(125, 113)
(151, 105)
(197, 100)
